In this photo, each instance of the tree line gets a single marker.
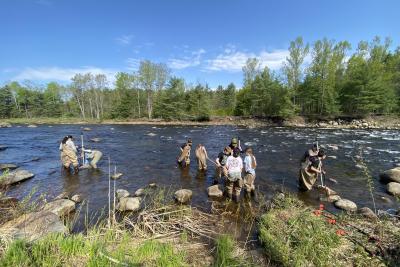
(322, 79)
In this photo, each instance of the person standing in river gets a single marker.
(184, 158)
(234, 166)
(201, 156)
(69, 154)
(250, 165)
(221, 162)
(312, 152)
(235, 143)
(308, 175)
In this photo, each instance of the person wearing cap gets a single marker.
(312, 152)
(184, 158)
(235, 144)
(234, 166)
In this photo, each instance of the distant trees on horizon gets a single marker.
(333, 83)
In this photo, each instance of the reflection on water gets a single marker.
(147, 154)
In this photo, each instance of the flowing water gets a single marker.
(147, 154)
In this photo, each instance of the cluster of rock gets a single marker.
(357, 124)
(5, 125)
(16, 176)
(35, 225)
(126, 202)
(392, 178)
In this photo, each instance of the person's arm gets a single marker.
(246, 164)
(205, 152)
(317, 170)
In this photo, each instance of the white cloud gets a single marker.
(61, 74)
(124, 39)
(133, 63)
(232, 60)
(192, 60)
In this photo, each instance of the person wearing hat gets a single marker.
(309, 174)
(312, 152)
(235, 143)
(69, 153)
(221, 162)
(234, 166)
(184, 158)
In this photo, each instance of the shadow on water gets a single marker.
(147, 154)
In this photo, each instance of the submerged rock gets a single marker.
(76, 198)
(33, 226)
(139, 192)
(96, 139)
(116, 176)
(393, 188)
(346, 205)
(5, 166)
(214, 191)
(32, 126)
(368, 213)
(122, 193)
(392, 175)
(152, 185)
(183, 195)
(15, 177)
(3, 147)
(151, 134)
(63, 195)
(60, 207)
(87, 129)
(129, 204)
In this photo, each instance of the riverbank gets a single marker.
(373, 122)
(288, 233)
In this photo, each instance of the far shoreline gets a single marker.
(375, 122)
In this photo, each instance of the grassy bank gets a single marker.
(294, 235)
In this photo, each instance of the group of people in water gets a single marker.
(235, 172)
(69, 156)
(229, 165)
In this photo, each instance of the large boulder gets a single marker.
(32, 226)
(393, 188)
(122, 193)
(183, 195)
(129, 204)
(7, 166)
(5, 125)
(346, 205)
(392, 175)
(214, 191)
(76, 198)
(15, 177)
(60, 207)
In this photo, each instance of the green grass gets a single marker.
(293, 236)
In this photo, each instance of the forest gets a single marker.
(325, 78)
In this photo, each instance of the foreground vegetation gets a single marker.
(332, 82)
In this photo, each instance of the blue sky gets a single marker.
(203, 41)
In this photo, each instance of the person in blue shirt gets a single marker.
(250, 165)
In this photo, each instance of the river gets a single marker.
(147, 154)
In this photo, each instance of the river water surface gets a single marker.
(147, 154)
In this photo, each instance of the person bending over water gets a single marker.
(309, 174)
(94, 155)
(234, 165)
(221, 162)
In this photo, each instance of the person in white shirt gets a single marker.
(250, 165)
(94, 155)
(68, 153)
(234, 166)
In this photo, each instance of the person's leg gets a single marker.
(238, 187)
(249, 182)
(229, 188)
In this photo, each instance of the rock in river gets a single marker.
(5, 125)
(394, 188)
(32, 126)
(15, 177)
(76, 198)
(129, 204)
(183, 195)
(60, 207)
(392, 175)
(95, 140)
(5, 166)
(122, 193)
(346, 205)
(33, 226)
(3, 147)
(214, 191)
(87, 129)
(139, 192)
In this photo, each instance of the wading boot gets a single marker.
(76, 170)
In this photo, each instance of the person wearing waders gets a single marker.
(184, 158)
(69, 154)
(308, 175)
(221, 162)
(234, 166)
(235, 144)
(94, 156)
(201, 156)
(312, 152)
(250, 165)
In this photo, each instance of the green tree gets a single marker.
(6, 102)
